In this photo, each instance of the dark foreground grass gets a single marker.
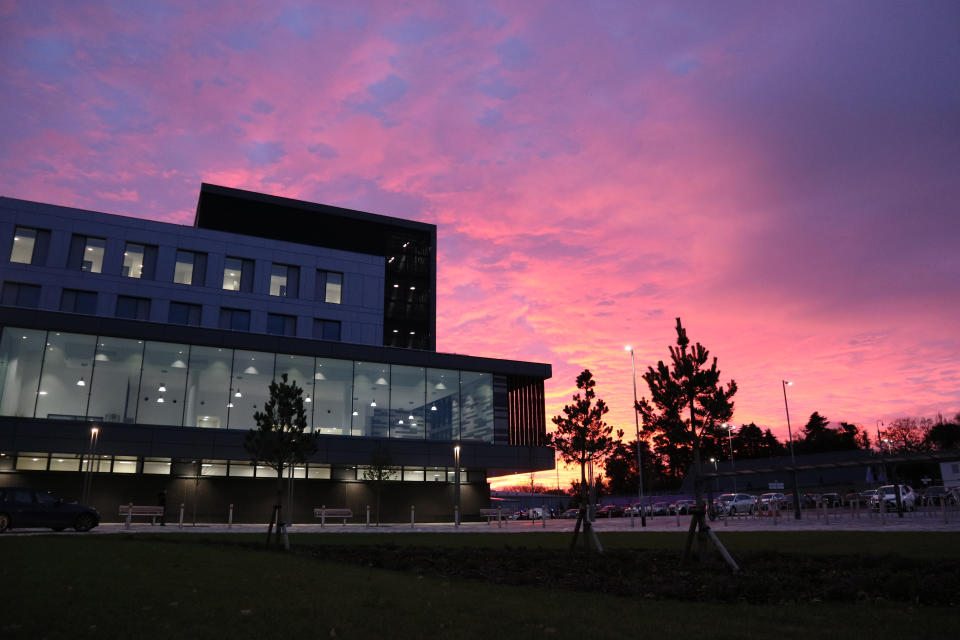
(134, 587)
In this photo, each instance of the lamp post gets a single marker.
(456, 481)
(636, 422)
(91, 456)
(793, 458)
(733, 465)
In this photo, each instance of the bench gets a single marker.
(144, 511)
(323, 513)
(489, 514)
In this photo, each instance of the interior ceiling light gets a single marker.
(319, 376)
(160, 400)
(392, 258)
(179, 364)
(433, 407)
(238, 394)
(101, 357)
(381, 380)
(43, 393)
(229, 405)
(406, 244)
(81, 383)
(412, 332)
(356, 413)
(162, 388)
(396, 286)
(252, 370)
(396, 330)
(399, 421)
(373, 404)
(307, 399)
(413, 288)
(440, 385)
(410, 417)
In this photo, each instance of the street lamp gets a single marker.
(733, 465)
(793, 458)
(636, 422)
(456, 463)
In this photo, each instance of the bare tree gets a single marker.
(380, 471)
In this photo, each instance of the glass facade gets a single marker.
(48, 374)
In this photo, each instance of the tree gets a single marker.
(378, 473)
(944, 435)
(689, 383)
(906, 435)
(582, 437)
(280, 441)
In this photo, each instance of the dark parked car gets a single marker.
(570, 513)
(23, 508)
(610, 511)
(934, 496)
(831, 500)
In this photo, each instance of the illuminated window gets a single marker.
(86, 253)
(238, 274)
(329, 286)
(284, 280)
(139, 261)
(30, 246)
(190, 268)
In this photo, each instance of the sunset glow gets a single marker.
(783, 178)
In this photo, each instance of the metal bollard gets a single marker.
(230, 517)
(632, 513)
(181, 516)
(881, 507)
(499, 516)
(456, 516)
(678, 516)
(943, 509)
(411, 516)
(368, 515)
(544, 516)
(323, 515)
(826, 514)
(129, 514)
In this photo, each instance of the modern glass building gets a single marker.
(164, 339)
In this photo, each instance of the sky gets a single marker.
(782, 176)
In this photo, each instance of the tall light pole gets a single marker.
(636, 422)
(793, 458)
(733, 465)
(456, 462)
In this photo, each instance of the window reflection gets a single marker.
(250, 388)
(443, 404)
(208, 387)
(116, 380)
(407, 396)
(299, 369)
(21, 352)
(163, 383)
(371, 396)
(476, 393)
(332, 400)
(66, 375)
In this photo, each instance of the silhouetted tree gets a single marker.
(689, 384)
(280, 440)
(906, 435)
(378, 473)
(944, 435)
(582, 437)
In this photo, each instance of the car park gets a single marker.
(28, 508)
(888, 495)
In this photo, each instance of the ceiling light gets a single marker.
(238, 394)
(229, 405)
(399, 421)
(410, 417)
(396, 286)
(373, 404)
(356, 413)
(381, 380)
(81, 383)
(308, 399)
(43, 393)
(251, 370)
(392, 258)
(433, 407)
(319, 376)
(179, 364)
(440, 385)
(162, 388)
(160, 400)
(413, 288)
(406, 244)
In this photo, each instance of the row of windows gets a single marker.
(30, 246)
(72, 376)
(36, 461)
(19, 294)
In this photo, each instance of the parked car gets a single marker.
(772, 502)
(683, 506)
(733, 503)
(610, 511)
(831, 500)
(935, 496)
(635, 509)
(570, 514)
(887, 494)
(660, 509)
(24, 508)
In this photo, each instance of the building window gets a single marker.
(326, 329)
(133, 308)
(139, 261)
(184, 313)
(74, 301)
(235, 319)
(281, 325)
(191, 268)
(30, 246)
(86, 253)
(238, 274)
(16, 294)
(284, 280)
(329, 286)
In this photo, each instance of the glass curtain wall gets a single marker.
(208, 386)
(66, 376)
(407, 397)
(116, 380)
(333, 408)
(73, 376)
(21, 355)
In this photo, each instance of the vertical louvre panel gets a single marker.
(527, 411)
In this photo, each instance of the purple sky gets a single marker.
(783, 176)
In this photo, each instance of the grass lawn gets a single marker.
(188, 586)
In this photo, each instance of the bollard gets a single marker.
(181, 516)
(826, 514)
(411, 516)
(632, 513)
(678, 516)
(456, 516)
(230, 517)
(323, 515)
(129, 514)
(943, 509)
(882, 508)
(499, 516)
(368, 515)
(544, 516)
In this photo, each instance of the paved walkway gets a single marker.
(835, 521)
